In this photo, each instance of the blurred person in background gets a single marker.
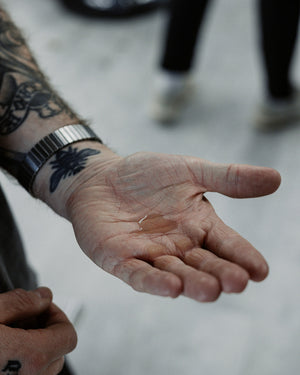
(143, 218)
(278, 24)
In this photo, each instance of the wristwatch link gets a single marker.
(48, 146)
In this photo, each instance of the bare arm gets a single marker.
(30, 109)
(144, 218)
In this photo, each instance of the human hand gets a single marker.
(145, 219)
(37, 351)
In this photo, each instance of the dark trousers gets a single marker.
(278, 23)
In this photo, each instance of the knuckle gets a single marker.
(22, 299)
(36, 362)
(230, 173)
(233, 175)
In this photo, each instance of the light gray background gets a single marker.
(106, 69)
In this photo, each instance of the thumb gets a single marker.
(19, 304)
(235, 180)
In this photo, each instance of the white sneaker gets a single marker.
(277, 114)
(171, 94)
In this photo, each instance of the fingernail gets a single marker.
(43, 293)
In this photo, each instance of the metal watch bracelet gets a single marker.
(47, 147)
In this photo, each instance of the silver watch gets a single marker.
(47, 147)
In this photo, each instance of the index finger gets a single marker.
(19, 304)
(59, 337)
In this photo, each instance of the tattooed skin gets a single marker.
(23, 89)
(68, 163)
(12, 368)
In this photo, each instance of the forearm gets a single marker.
(31, 109)
(29, 106)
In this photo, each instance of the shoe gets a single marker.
(171, 95)
(276, 114)
(112, 8)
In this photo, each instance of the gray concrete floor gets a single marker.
(105, 69)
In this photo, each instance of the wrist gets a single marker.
(68, 178)
(53, 144)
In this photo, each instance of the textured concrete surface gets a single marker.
(105, 70)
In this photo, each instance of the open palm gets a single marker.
(145, 219)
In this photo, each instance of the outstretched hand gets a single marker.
(145, 219)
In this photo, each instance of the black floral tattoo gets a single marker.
(25, 98)
(23, 88)
(68, 163)
(12, 367)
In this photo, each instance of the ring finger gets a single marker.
(232, 278)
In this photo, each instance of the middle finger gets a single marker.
(232, 277)
(196, 284)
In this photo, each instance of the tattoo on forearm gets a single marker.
(23, 88)
(25, 98)
(68, 163)
(12, 367)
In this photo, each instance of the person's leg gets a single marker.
(279, 27)
(278, 34)
(173, 84)
(182, 31)
(111, 8)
